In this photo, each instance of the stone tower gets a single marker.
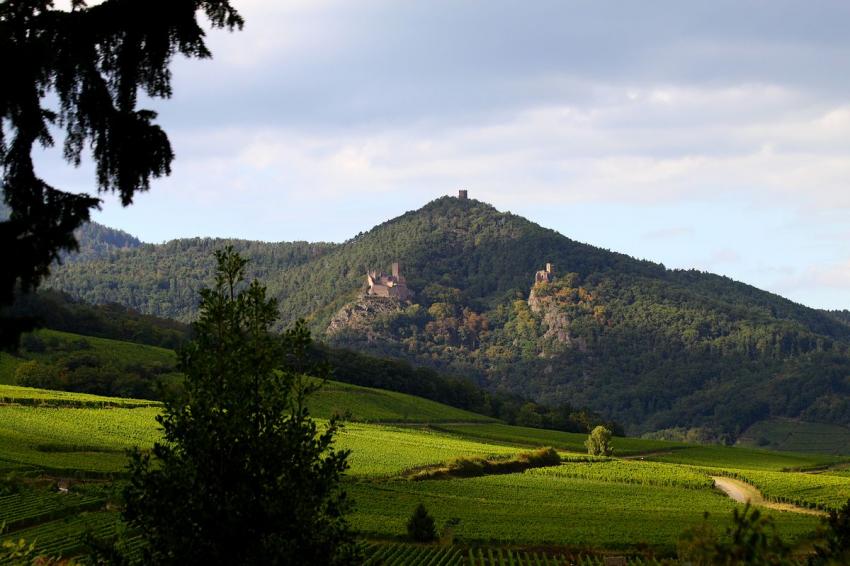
(545, 275)
(462, 194)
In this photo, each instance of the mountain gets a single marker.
(650, 347)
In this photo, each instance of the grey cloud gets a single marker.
(381, 64)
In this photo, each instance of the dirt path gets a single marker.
(743, 492)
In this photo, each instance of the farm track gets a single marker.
(744, 492)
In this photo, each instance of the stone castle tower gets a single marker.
(545, 275)
(393, 285)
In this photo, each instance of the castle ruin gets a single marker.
(383, 285)
(462, 194)
(545, 275)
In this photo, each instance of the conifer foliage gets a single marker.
(421, 526)
(244, 475)
(92, 61)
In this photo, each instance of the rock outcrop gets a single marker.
(360, 315)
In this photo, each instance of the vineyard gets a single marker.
(412, 555)
(816, 491)
(745, 458)
(531, 509)
(783, 434)
(365, 404)
(618, 471)
(643, 501)
(11, 394)
(568, 441)
(380, 450)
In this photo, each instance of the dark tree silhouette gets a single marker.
(92, 61)
(244, 475)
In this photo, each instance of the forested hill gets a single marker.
(96, 240)
(650, 347)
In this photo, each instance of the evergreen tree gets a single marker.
(421, 526)
(94, 60)
(244, 476)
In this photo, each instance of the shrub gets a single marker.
(421, 526)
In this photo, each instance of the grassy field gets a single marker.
(795, 436)
(644, 501)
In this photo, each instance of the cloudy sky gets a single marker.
(707, 134)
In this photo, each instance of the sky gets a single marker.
(708, 134)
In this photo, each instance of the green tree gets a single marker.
(37, 374)
(750, 540)
(244, 476)
(93, 60)
(421, 526)
(834, 547)
(598, 442)
(529, 416)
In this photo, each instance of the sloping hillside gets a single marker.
(650, 347)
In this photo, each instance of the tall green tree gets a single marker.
(598, 442)
(244, 475)
(92, 62)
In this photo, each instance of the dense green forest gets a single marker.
(75, 360)
(647, 346)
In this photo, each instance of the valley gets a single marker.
(636, 503)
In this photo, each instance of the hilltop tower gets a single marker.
(462, 194)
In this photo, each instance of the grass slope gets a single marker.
(358, 403)
(104, 349)
(365, 404)
(796, 436)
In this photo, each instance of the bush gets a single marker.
(541, 458)
(421, 526)
(474, 467)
